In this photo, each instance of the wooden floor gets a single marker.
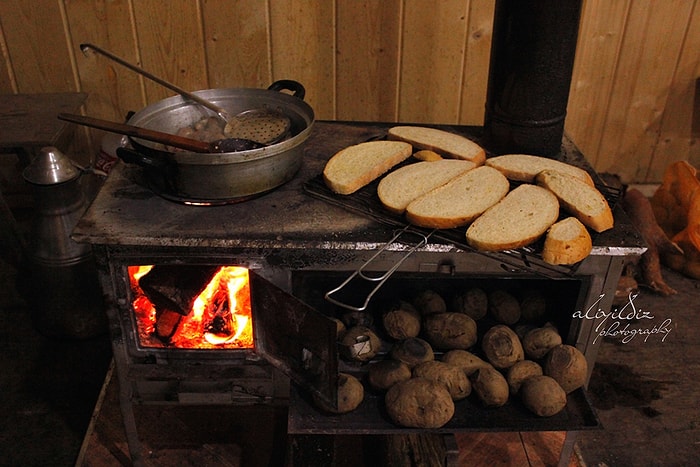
(184, 436)
(644, 391)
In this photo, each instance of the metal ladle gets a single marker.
(218, 146)
(265, 126)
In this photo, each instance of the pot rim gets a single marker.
(232, 100)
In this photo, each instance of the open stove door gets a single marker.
(295, 338)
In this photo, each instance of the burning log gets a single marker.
(176, 287)
(166, 324)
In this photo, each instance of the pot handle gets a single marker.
(134, 157)
(290, 85)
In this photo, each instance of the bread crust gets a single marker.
(567, 242)
(459, 201)
(525, 167)
(583, 201)
(442, 142)
(401, 186)
(356, 166)
(519, 219)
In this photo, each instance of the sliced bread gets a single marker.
(524, 167)
(581, 200)
(519, 219)
(459, 201)
(356, 166)
(403, 185)
(442, 142)
(567, 242)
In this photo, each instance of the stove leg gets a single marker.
(132, 438)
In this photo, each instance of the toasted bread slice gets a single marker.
(581, 200)
(567, 242)
(447, 144)
(403, 185)
(459, 201)
(519, 219)
(524, 167)
(356, 166)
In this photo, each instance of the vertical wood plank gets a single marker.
(367, 59)
(303, 49)
(37, 47)
(650, 52)
(7, 85)
(113, 90)
(476, 62)
(237, 45)
(432, 61)
(171, 45)
(676, 140)
(597, 53)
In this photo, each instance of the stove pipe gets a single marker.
(532, 59)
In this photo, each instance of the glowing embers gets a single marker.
(192, 307)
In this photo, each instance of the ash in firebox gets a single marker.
(614, 385)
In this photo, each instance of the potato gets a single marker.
(350, 395)
(452, 377)
(490, 386)
(450, 331)
(402, 321)
(419, 403)
(465, 360)
(567, 365)
(504, 307)
(537, 342)
(533, 306)
(360, 343)
(502, 347)
(472, 302)
(384, 374)
(543, 396)
(522, 329)
(340, 328)
(428, 302)
(412, 351)
(520, 372)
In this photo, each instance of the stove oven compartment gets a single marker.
(563, 297)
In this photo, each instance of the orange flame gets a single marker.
(221, 316)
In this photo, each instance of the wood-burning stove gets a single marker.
(298, 243)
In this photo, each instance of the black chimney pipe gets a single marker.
(532, 59)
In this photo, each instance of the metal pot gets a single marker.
(220, 178)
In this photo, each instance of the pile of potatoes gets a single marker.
(434, 356)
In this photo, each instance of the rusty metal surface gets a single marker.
(127, 212)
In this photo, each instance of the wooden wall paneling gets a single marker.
(368, 36)
(432, 62)
(113, 90)
(476, 62)
(597, 53)
(36, 42)
(171, 45)
(7, 76)
(303, 49)
(237, 43)
(651, 47)
(676, 141)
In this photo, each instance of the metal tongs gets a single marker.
(361, 274)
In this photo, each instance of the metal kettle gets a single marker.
(61, 284)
